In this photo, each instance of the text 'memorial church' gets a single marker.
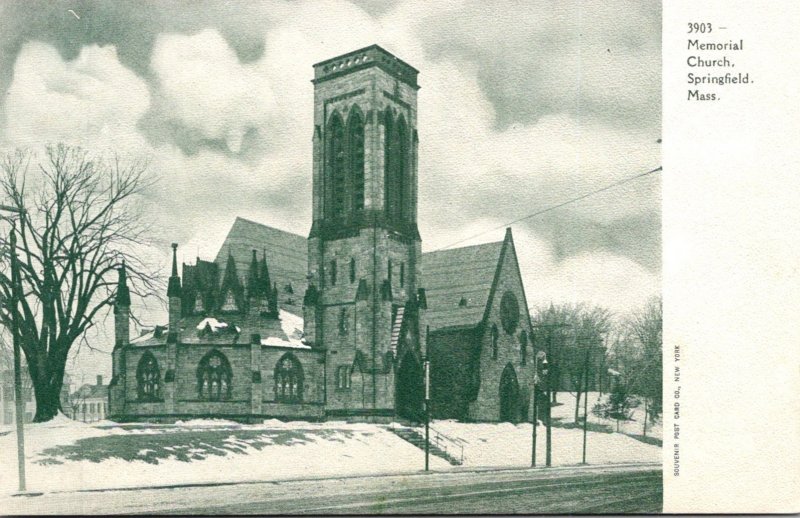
(337, 325)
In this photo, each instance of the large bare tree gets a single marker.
(81, 219)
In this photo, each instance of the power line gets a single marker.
(553, 207)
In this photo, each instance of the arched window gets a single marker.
(335, 177)
(214, 377)
(343, 373)
(148, 378)
(523, 347)
(355, 139)
(402, 274)
(495, 337)
(343, 322)
(389, 270)
(352, 270)
(333, 272)
(396, 164)
(288, 380)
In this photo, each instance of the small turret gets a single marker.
(273, 300)
(122, 309)
(264, 273)
(174, 296)
(254, 290)
(231, 291)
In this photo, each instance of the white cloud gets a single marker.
(203, 85)
(91, 101)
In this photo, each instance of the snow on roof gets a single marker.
(215, 325)
(292, 326)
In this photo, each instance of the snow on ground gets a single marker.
(67, 455)
(506, 444)
(566, 413)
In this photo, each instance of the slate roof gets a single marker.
(447, 275)
(460, 273)
(286, 258)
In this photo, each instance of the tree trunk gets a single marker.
(644, 429)
(48, 395)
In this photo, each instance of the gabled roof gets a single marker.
(286, 258)
(91, 392)
(466, 273)
(448, 276)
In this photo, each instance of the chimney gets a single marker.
(99, 380)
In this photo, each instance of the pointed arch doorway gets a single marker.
(509, 395)
(410, 388)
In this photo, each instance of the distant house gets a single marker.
(90, 402)
(7, 404)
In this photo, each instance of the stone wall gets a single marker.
(487, 405)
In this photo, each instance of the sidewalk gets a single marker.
(142, 499)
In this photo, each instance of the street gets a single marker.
(606, 489)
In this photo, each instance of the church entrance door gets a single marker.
(410, 389)
(509, 395)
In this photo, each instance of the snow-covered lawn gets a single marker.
(67, 455)
(506, 444)
(565, 412)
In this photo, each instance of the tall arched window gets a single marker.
(335, 174)
(288, 380)
(523, 347)
(148, 378)
(214, 377)
(396, 164)
(495, 337)
(401, 167)
(355, 140)
(352, 270)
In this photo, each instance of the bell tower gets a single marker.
(363, 303)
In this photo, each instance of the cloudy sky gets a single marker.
(523, 105)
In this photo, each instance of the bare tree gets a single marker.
(569, 333)
(80, 221)
(646, 329)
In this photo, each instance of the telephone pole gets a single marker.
(19, 402)
(547, 374)
(427, 410)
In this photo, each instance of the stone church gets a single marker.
(338, 325)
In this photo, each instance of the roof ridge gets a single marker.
(496, 243)
(240, 218)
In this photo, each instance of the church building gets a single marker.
(337, 325)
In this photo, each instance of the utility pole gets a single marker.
(18, 398)
(540, 359)
(427, 410)
(585, 399)
(19, 403)
(547, 374)
(548, 443)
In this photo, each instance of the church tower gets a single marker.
(364, 300)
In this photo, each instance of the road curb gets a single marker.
(499, 469)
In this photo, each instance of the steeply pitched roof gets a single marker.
(447, 275)
(91, 392)
(286, 258)
(460, 273)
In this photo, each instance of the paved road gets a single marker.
(571, 490)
